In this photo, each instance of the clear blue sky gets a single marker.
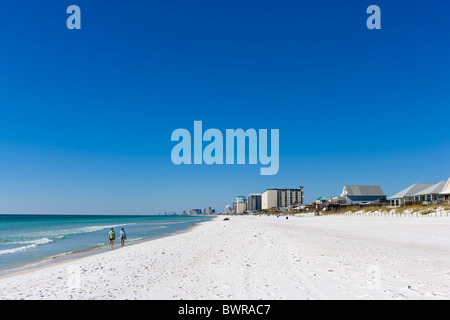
(86, 115)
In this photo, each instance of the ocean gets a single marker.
(33, 239)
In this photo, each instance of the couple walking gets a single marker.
(112, 237)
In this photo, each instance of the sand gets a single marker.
(253, 257)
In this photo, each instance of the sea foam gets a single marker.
(31, 245)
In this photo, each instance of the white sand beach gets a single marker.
(253, 257)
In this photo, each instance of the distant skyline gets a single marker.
(86, 115)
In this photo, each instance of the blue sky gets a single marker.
(86, 115)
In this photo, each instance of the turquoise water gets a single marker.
(26, 239)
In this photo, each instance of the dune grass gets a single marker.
(441, 209)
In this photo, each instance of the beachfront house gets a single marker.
(362, 194)
(321, 201)
(428, 192)
(446, 191)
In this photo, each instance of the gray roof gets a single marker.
(434, 189)
(419, 189)
(356, 190)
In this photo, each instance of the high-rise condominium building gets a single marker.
(241, 204)
(254, 202)
(279, 198)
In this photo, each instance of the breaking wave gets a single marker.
(31, 244)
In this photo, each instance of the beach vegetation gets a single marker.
(411, 210)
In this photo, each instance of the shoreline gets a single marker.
(260, 257)
(73, 256)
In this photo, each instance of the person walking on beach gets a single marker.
(112, 237)
(122, 237)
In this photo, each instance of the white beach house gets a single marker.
(422, 192)
(446, 191)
